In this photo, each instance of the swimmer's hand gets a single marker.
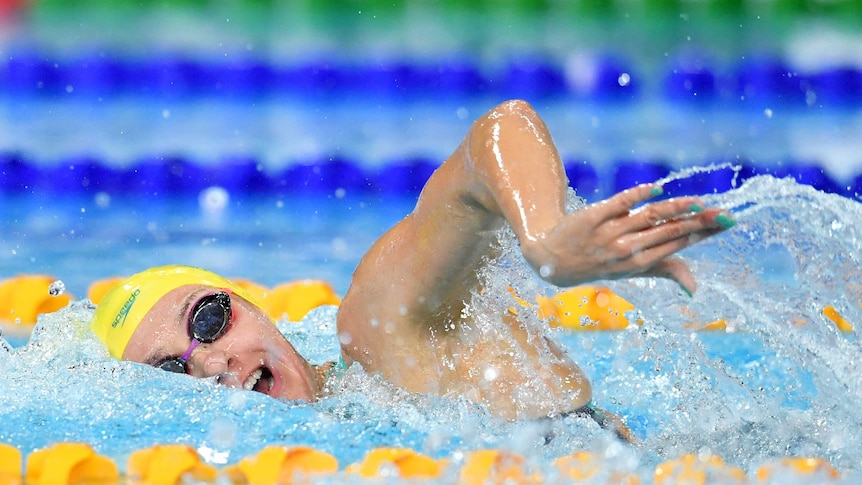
(612, 240)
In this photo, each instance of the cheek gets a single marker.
(253, 333)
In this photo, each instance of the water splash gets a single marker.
(5, 349)
(692, 171)
(785, 382)
(790, 386)
(56, 288)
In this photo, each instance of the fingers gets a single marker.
(641, 242)
(620, 204)
(675, 269)
(654, 214)
(657, 259)
(642, 236)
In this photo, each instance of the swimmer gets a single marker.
(403, 315)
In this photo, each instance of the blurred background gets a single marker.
(126, 105)
(349, 87)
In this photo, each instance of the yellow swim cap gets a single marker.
(123, 307)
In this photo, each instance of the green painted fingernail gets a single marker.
(656, 191)
(725, 220)
(696, 208)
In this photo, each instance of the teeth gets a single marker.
(252, 380)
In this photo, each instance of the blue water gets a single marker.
(269, 239)
(784, 382)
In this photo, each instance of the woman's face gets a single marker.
(251, 354)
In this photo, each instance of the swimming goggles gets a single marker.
(208, 321)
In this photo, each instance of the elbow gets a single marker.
(515, 112)
(515, 107)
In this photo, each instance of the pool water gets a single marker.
(268, 238)
(782, 382)
(276, 141)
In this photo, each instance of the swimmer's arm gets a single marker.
(416, 277)
(520, 176)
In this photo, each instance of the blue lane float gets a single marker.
(690, 83)
(28, 72)
(769, 79)
(837, 86)
(628, 173)
(584, 178)
(532, 78)
(244, 176)
(615, 80)
(404, 177)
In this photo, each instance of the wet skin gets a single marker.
(402, 316)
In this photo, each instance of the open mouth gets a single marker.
(260, 380)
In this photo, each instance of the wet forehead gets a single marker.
(164, 326)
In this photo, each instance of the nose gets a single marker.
(208, 361)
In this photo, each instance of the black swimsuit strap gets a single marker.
(599, 416)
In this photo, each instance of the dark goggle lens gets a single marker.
(173, 365)
(210, 318)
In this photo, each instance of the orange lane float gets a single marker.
(291, 300)
(23, 298)
(719, 325)
(496, 467)
(168, 465)
(65, 463)
(98, 288)
(174, 464)
(831, 313)
(10, 464)
(282, 465)
(581, 308)
(406, 462)
(798, 470)
(698, 470)
(594, 308)
(586, 467)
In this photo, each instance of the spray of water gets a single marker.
(783, 382)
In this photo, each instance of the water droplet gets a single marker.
(214, 199)
(103, 200)
(546, 270)
(345, 338)
(56, 288)
(624, 79)
(340, 245)
(491, 373)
